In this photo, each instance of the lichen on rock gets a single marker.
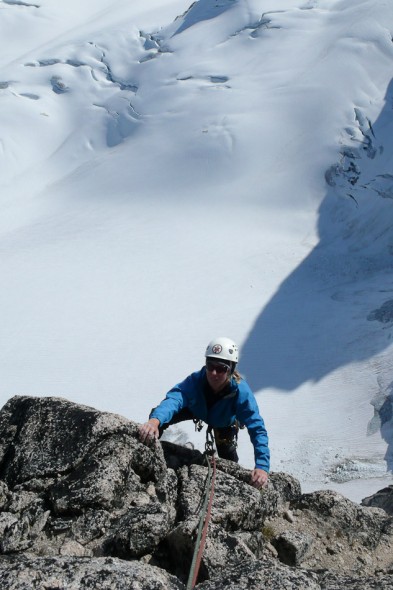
(84, 504)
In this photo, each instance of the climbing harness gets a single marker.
(205, 511)
(227, 436)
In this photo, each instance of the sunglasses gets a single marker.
(217, 367)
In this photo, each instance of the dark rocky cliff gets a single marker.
(85, 505)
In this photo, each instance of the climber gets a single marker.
(220, 397)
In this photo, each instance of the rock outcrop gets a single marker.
(85, 505)
(382, 499)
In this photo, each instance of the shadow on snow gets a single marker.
(336, 308)
(202, 10)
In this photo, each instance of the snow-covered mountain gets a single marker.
(172, 172)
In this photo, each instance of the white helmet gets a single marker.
(223, 348)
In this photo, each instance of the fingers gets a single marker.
(259, 478)
(259, 484)
(148, 433)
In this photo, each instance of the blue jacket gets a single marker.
(240, 404)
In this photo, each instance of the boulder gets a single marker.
(292, 546)
(222, 550)
(71, 474)
(237, 505)
(76, 573)
(352, 520)
(382, 499)
(260, 575)
(323, 530)
(331, 581)
(84, 504)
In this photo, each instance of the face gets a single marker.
(217, 375)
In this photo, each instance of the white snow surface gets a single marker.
(170, 173)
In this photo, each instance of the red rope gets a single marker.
(205, 526)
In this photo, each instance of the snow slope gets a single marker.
(172, 172)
